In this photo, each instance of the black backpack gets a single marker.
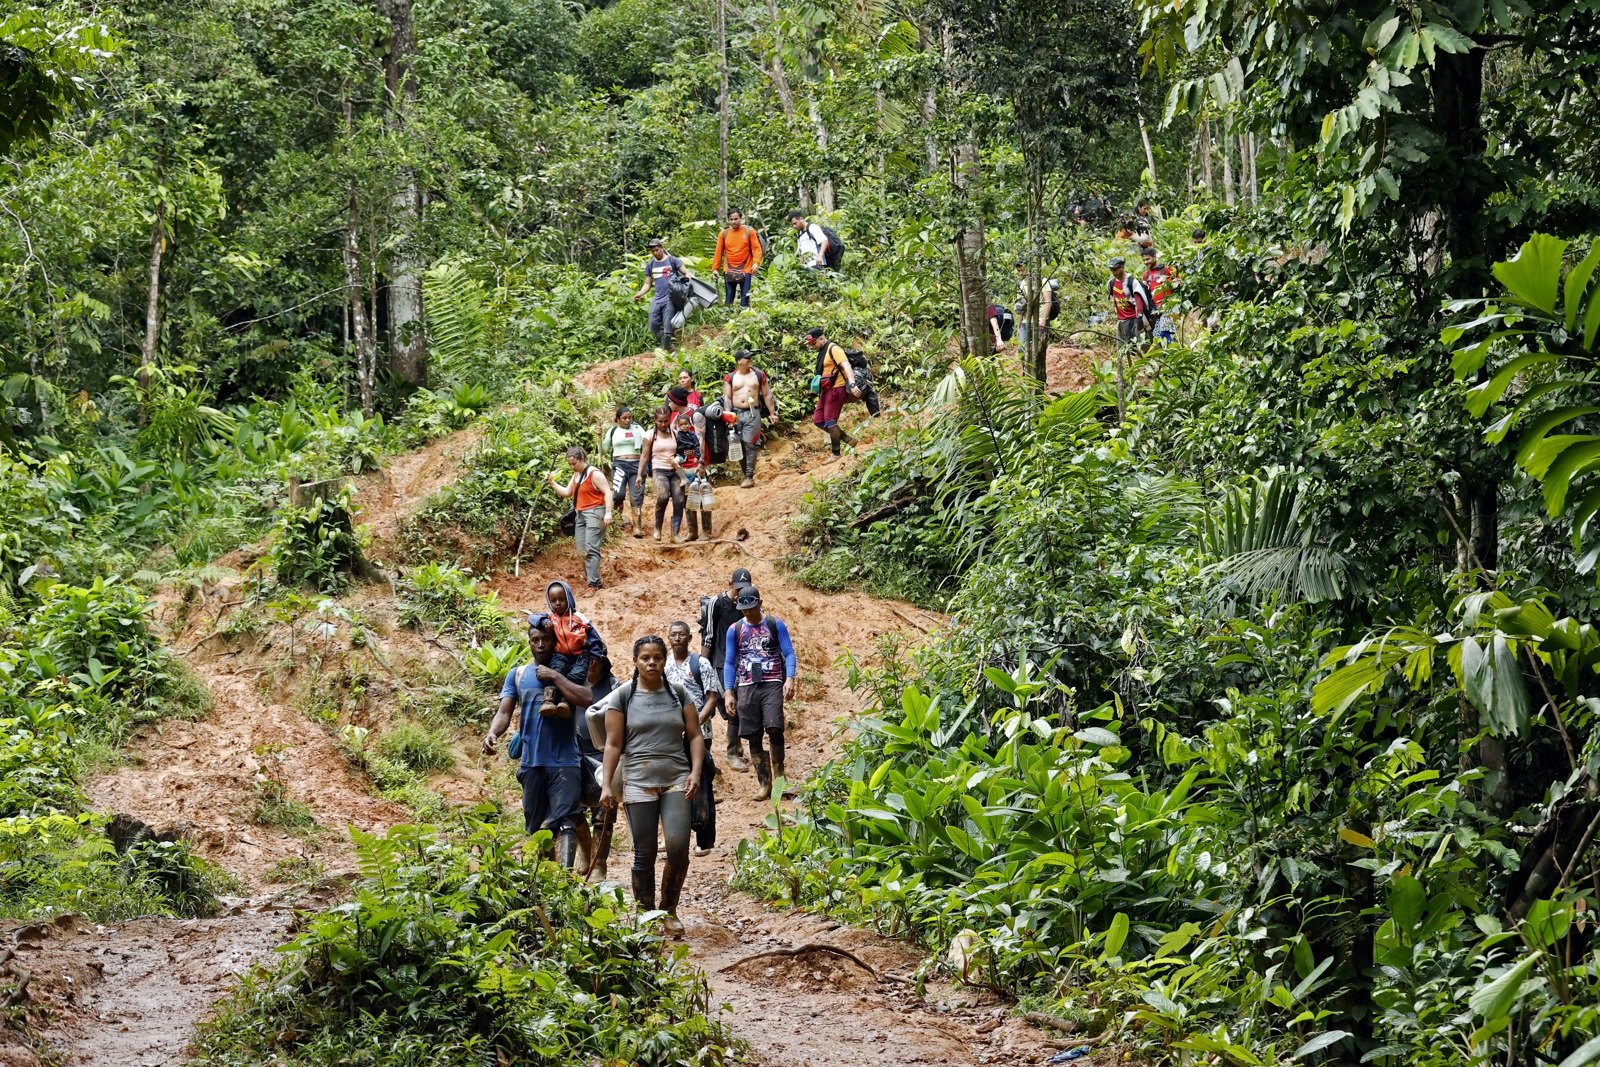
(1054, 288)
(835, 254)
(716, 440)
(1006, 321)
(858, 365)
(680, 289)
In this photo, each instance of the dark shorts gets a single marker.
(1127, 330)
(829, 403)
(551, 797)
(760, 708)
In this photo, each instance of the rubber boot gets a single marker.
(764, 776)
(694, 525)
(671, 887)
(736, 758)
(644, 890)
(638, 523)
(777, 770)
(567, 849)
(705, 523)
(585, 844)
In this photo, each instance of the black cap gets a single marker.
(743, 353)
(816, 332)
(741, 576)
(749, 597)
(1117, 261)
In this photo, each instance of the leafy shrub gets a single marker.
(447, 597)
(275, 807)
(316, 545)
(466, 951)
(417, 748)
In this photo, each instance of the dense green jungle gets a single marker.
(1254, 713)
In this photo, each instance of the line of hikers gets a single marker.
(587, 742)
(740, 253)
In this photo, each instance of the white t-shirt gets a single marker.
(810, 244)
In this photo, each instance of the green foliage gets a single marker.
(316, 545)
(417, 748)
(465, 950)
(447, 598)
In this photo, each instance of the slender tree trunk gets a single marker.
(1225, 142)
(1144, 130)
(722, 109)
(780, 85)
(408, 343)
(355, 293)
(968, 181)
(1205, 156)
(152, 309)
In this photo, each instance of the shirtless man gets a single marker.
(746, 392)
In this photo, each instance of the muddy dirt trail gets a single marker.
(139, 988)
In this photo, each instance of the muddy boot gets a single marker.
(638, 523)
(585, 858)
(777, 770)
(764, 776)
(671, 886)
(705, 523)
(644, 890)
(736, 758)
(567, 849)
(694, 526)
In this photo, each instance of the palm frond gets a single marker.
(1262, 543)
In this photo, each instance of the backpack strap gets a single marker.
(694, 670)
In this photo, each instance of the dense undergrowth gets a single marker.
(466, 950)
(81, 670)
(1227, 751)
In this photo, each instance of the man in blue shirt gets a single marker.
(658, 272)
(551, 767)
(758, 673)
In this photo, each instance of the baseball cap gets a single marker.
(1117, 261)
(815, 332)
(743, 353)
(741, 576)
(749, 597)
(655, 242)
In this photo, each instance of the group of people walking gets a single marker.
(587, 742)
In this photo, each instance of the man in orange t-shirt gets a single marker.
(738, 257)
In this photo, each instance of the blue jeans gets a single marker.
(736, 283)
(661, 312)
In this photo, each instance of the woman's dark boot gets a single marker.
(644, 890)
(705, 523)
(764, 776)
(694, 525)
(671, 887)
(567, 849)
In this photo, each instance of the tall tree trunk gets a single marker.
(722, 109)
(968, 181)
(780, 85)
(820, 125)
(361, 325)
(1205, 156)
(152, 309)
(930, 106)
(408, 343)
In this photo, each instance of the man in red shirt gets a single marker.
(1159, 279)
(1131, 301)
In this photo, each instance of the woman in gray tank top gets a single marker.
(652, 728)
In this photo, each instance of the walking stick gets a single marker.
(602, 844)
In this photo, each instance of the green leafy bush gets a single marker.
(468, 950)
(316, 545)
(417, 748)
(448, 598)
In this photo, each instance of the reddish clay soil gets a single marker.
(806, 1008)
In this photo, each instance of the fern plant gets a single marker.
(457, 320)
